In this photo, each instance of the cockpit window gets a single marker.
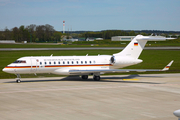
(19, 61)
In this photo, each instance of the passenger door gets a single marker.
(33, 65)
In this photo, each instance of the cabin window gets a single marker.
(49, 62)
(67, 62)
(40, 63)
(77, 62)
(58, 62)
(85, 62)
(81, 62)
(72, 62)
(54, 62)
(63, 62)
(90, 62)
(45, 63)
(94, 61)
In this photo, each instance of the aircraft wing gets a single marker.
(117, 70)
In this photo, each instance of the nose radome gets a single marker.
(7, 70)
(4, 69)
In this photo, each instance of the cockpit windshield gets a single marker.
(19, 61)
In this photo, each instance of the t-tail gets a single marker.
(135, 47)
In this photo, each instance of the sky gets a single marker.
(92, 15)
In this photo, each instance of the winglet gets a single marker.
(168, 66)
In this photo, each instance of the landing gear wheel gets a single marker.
(96, 78)
(85, 77)
(18, 80)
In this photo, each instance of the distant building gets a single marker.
(99, 39)
(81, 39)
(7, 41)
(122, 38)
(129, 38)
(90, 39)
(71, 40)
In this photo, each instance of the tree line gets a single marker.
(47, 33)
(31, 33)
(107, 34)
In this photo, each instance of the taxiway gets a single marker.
(115, 97)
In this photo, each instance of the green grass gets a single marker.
(57, 45)
(105, 43)
(31, 45)
(152, 59)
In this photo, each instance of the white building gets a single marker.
(71, 40)
(7, 41)
(122, 38)
(90, 39)
(98, 38)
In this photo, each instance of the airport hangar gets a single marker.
(122, 38)
(127, 38)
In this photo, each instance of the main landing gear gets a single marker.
(95, 77)
(84, 77)
(18, 79)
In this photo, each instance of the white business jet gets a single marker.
(85, 65)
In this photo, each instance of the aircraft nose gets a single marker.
(7, 70)
(4, 70)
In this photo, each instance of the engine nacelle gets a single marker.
(123, 61)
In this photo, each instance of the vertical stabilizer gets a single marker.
(134, 48)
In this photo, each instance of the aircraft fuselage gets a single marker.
(62, 64)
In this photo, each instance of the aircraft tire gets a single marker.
(96, 78)
(18, 80)
(85, 77)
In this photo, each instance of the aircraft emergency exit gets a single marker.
(85, 65)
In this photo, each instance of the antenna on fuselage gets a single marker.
(51, 55)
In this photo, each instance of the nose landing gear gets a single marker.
(18, 79)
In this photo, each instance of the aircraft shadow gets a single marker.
(103, 79)
(111, 79)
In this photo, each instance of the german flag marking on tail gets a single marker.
(167, 66)
(135, 44)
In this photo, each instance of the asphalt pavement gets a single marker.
(115, 97)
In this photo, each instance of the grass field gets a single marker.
(152, 59)
(105, 43)
(39, 45)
